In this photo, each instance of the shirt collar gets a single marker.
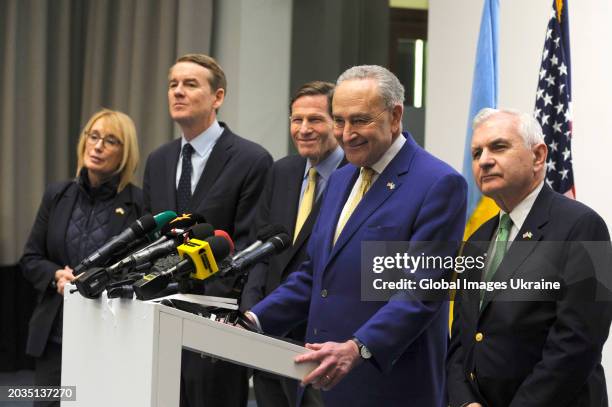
(328, 165)
(380, 165)
(204, 141)
(520, 212)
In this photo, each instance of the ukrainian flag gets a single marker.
(484, 94)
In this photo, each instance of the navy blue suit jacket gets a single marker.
(408, 339)
(537, 348)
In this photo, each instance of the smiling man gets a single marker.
(291, 198)
(371, 353)
(211, 171)
(525, 348)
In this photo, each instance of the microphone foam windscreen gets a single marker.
(201, 231)
(280, 241)
(162, 218)
(143, 225)
(227, 237)
(219, 246)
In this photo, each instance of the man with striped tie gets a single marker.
(371, 352)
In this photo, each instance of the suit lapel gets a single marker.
(531, 231)
(171, 164)
(293, 186)
(341, 197)
(292, 183)
(380, 191)
(219, 156)
(306, 230)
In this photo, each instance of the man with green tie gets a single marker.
(527, 348)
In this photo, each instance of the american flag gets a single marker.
(553, 107)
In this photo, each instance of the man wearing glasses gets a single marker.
(371, 353)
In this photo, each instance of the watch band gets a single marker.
(364, 352)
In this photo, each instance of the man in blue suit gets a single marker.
(371, 353)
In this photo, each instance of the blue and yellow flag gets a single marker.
(484, 94)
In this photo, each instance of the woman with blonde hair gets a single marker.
(74, 219)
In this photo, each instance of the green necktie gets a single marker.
(500, 248)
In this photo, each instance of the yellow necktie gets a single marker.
(306, 202)
(366, 182)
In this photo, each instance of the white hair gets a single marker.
(390, 88)
(528, 127)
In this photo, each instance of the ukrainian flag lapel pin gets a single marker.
(120, 211)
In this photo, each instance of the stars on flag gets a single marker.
(553, 102)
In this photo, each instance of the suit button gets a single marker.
(472, 376)
(324, 293)
(314, 331)
(479, 336)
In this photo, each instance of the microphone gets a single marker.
(273, 245)
(92, 282)
(199, 259)
(161, 219)
(163, 246)
(177, 226)
(136, 230)
(264, 234)
(226, 236)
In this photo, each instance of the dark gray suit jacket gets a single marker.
(226, 193)
(278, 205)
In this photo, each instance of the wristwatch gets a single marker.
(364, 352)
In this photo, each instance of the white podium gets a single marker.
(121, 352)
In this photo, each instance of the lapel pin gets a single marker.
(527, 235)
(120, 211)
(391, 185)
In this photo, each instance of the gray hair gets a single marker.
(390, 88)
(528, 127)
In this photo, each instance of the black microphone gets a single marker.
(162, 247)
(136, 230)
(263, 234)
(199, 259)
(92, 282)
(161, 219)
(273, 245)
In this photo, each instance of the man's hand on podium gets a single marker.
(335, 361)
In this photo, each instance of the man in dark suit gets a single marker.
(291, 199)
(218, 174)
(370, 353)
(525, 346)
